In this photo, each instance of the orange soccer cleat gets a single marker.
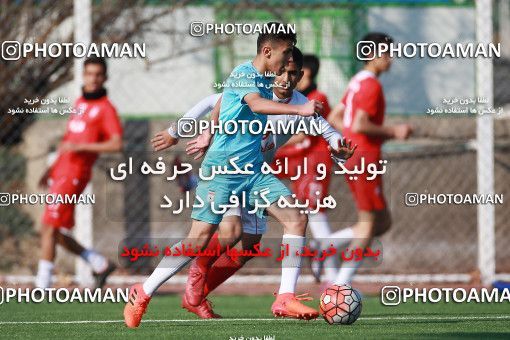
(195, 285)
(136, 306)
(288, 305)
(203, 310)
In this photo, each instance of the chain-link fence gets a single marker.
(180, 70)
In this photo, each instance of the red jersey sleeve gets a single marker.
(111, 123)
(368, 97)
(323, 99)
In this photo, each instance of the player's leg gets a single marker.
(253, 228)
(56, 216)
(225, 266)
(294, 231)
(287, 304)
(373, 218)
(308, 188)
(229, 232)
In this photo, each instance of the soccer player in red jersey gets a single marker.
(94, 128)
(360, 117)
(315, 150)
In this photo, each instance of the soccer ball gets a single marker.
(340, 305)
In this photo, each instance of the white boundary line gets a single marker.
(366, 318)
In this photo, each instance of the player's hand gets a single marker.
(197, 147)
(68, 146)
(402, 131)
(311, 108)
(344, 151)
(162, 140)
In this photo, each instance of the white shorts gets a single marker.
(252, 224)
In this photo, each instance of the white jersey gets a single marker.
(271, 142)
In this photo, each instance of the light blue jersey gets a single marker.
(243, 80)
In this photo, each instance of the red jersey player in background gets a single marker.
(360, 117)
(315, 149)
(94, 128)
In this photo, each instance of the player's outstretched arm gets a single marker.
(168, 138)
(269, 107)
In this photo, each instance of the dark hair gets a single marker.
(275, 31)
(312, 62)
(297, 56)
(96, 61)
(372, 38)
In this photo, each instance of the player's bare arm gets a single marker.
(362, 124)
(269, 107)
(163, 140)
(168, 138)
(344, 151)
(43, 181)
(114, 144)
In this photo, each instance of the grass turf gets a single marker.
(489, 320)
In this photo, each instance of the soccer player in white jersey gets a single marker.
(208, 272)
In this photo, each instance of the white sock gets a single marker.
(346, 273)
(44, 272)
(98, 262)
(319, 226)
(168, 267)
(291, 265)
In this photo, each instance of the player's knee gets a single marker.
(364, 229)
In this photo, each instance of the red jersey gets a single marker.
(363, 92)
(96, 121)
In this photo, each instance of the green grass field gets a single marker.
(250, 317)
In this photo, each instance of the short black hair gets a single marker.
(96, 61)
(372, 38)
(312, 62)
(297, 57)
(275, 31)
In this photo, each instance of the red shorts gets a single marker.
(368, 194)
(62, 215)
